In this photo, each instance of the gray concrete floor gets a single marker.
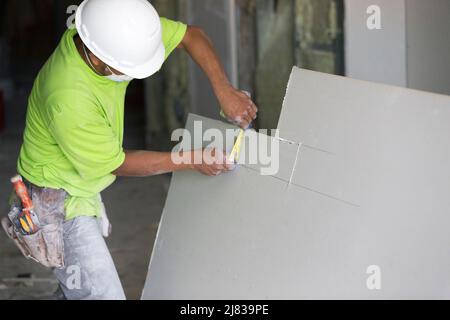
(134, 208)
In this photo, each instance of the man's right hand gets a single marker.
(211, 162)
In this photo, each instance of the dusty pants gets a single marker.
(89, 271)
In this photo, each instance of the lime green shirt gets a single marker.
(74, 127)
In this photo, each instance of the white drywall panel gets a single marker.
(383, 149)
(203, 252)
(369, 188)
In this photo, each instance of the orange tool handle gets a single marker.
(22, 192)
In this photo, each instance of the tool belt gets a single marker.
(46, 246)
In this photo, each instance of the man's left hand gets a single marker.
(238, 107)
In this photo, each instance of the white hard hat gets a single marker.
(124, 34)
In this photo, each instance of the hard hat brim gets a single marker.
(149, 68)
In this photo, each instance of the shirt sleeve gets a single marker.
(87, 140)
(173, 33)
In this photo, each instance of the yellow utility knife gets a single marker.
(236, 151)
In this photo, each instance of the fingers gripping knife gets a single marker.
(223, 115)
(235, 152)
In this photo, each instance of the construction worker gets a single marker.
(74, 128)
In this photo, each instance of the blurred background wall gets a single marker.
(258, 41)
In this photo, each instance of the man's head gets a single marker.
(121, 37)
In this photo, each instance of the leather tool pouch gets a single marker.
(45, 246)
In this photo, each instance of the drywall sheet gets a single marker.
(359, 208)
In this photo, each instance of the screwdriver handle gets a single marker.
(22, 192)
